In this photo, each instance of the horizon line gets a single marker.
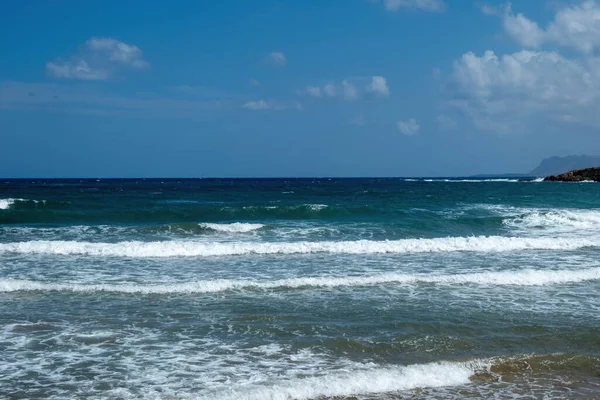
(495, 176)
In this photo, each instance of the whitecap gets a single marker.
(6, 203)
(560, 219)
(236, 227)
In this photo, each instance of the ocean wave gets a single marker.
(528, 277)
(182, 230)
(186, 248)
(28, 211)
(557, 219)
(359, 382)
(236, 227)
(5, 204)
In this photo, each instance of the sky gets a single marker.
(297, 88)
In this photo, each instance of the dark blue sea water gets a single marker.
(299, 289)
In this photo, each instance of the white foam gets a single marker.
(199, 366)
(236, 227)
(558, 219)
(316, 207)
(185, 248)
(356, 382)
(529, 277)
(6, 203)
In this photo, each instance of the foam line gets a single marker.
(346, 383)
(530, 277)
(182, 248)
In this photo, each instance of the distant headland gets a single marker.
(556, 166)
(575, 168)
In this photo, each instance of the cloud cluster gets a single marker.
(98, 59)
(576, 27)
(350, 89)
(508, 93)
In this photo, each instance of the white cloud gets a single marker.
(350, 91)
(277, 58)
(379, 86)
(98, 59)
(350, 88)
(254, 82)
(576, 27)
(506, 94)
(314, 91)
(425, 5)
(536, 88)
(258, 105)
(76, 69)
(263, 105)
(117, 52)
(409, 127)
(523, 30)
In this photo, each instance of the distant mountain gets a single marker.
(559, 165)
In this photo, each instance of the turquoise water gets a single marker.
(299, 289)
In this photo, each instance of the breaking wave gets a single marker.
(236, 227)
(528, 277)
(557, 219)
(5, 204)
(183, 248)
(357, 382)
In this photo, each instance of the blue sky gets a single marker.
(295, 88)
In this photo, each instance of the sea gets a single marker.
(288, 289)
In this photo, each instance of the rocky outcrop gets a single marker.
(578, 175)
